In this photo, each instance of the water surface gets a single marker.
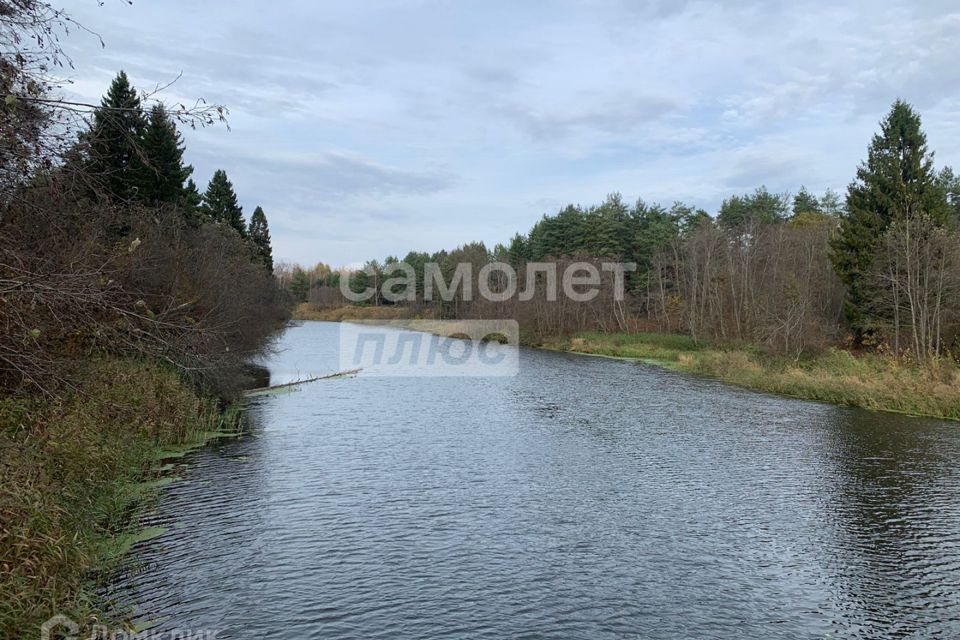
(584, 498)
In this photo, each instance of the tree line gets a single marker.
(133, 157)
(791, 273)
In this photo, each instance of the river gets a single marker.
(583, 498)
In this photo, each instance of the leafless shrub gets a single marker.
(766, 284)
(71, 289)
(71, 286)
(915, 287)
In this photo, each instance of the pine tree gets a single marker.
(536, 240)
(300, 285)
(565, 234)
(897, 181)
(220, 203)
(159, 171)
(118, 126)
(519, 250)
(654, 228)
(260, 237)
(830, 203)
(606, 232)
(761, 206)
(418, 260)
(688, 218)
(805, 202)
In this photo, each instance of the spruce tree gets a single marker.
(260, 237)
(220, 203)
(118, 126)
(897, 181)
(950, 184)
(160, 172)
(192, 203)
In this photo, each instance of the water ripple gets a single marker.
(585, 498)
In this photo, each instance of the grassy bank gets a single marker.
(837, 376)
(74, 472)
(306, 311)
(868, 381)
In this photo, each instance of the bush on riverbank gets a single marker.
(70, 469)
(129, 303)
(870, 381)
(187, 295)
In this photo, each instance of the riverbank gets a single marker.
(867, 381)
(307, 311)
(76, 471)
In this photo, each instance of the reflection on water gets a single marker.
(895, 496)
(585, 498)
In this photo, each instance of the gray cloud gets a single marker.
(342, 175)
(621, 115)
(321, 179)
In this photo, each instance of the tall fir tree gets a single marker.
(114, 137)
(160, 173)
(260, 237)
(192, 203)
(897, 181)
(220, 203)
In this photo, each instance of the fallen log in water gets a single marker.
(296, 383)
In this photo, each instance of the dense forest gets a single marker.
(111, 248)
(790, 273)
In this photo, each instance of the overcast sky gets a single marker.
(373, 128)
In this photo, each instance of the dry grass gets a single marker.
(869, 381)
(306, 311)
(69, 474)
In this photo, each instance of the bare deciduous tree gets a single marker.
(915, 283)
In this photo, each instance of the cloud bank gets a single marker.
(367, 129)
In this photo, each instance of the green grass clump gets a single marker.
(73, 472)
(661, 347)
